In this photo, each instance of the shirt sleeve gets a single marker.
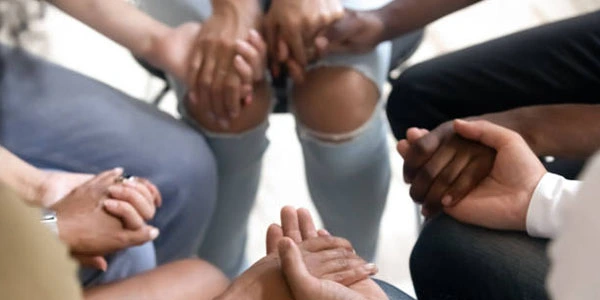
(551, 195)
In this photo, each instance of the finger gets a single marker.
(243, 69)
(153, 190)
(419, 153)
(96, 262)
(296, 71)
(233, 96)
(403, 147)
(321, 45)
(144, 206)
(251, 56)
(486, 133)
(106, 178)
(295, 44)
(217, 93)
(354, 275)
(141, 236)
(323, 232)
(324, 243)
(426, 175)
(283, 51)
(444, 181)
(270, 31)
(292, 264)
(259, 44)
(413, 134)
(289, 222)
(274, 235)
(133, 183)
(307, 225)
(333, 261)
(125, 212)
(476, 171)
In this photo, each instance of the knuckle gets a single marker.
(343, 263)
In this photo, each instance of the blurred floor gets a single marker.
(77, 47)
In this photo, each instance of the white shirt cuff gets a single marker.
(552, 193)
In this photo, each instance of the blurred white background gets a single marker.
(75, 46)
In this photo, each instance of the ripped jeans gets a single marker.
(348, 181)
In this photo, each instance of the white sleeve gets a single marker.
(551, 195)
(574, 251)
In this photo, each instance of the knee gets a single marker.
(404, 103)
(188, 181)
(251, 115)
(335, 100)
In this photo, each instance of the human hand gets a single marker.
(92, 223)
(139, 192)
(356, 32)
(442, 167)
(298, 226)
(216, 80)
(294, 30)
(502, 199)
(306, 286)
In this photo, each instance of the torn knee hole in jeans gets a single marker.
(336, 138)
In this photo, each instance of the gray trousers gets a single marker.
(57, 119)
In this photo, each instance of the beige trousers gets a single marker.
(34, 264)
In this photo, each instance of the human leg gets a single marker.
(452, 260)
(58, 119)
(184, 279)
(34, 264)
(550, 64)
(343, 135)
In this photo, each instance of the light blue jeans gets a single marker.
(57, 119)
(348, 181)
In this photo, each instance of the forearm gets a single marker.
(25, 179)
(564, 130)
(121, 22)
(403, 16)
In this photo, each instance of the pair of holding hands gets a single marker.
(304, 263)
(221, 60)
(477, 172)
(101, 214)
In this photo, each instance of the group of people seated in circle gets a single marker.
(136, 204)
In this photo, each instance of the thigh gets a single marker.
(554, 63)
(455, 261)
(56, 118)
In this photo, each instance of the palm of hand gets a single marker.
(500, 201)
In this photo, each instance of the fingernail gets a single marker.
(424, 211)
(224, 123)
(111, 203)
(114, 189)
(119, 170)
(371, 268)
(447, 200)
(154, 232)
(193, 98)
(326, 232)
(254, 33)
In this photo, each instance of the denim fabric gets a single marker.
(57, 119)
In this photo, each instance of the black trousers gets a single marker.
(552, 64)
(457, 261)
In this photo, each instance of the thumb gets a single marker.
(96, 262)
(145, 234)
(486, 133)
(292, 263)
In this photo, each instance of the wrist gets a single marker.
(248, 12)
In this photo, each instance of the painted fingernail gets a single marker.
(154, 232)
(111, 203)
(371, 268)
(447, 200)
(224, 123)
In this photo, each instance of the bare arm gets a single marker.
(121, 22)
(402, 16)
(25, 179)
(565, 130)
